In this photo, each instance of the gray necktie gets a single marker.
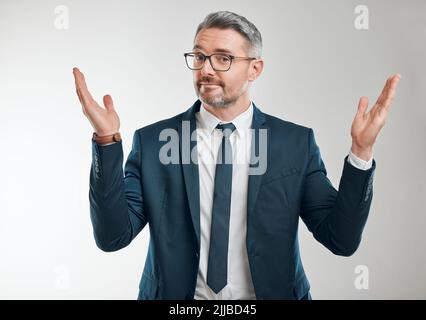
(217, 271)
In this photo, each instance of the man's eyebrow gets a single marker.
(216, 50)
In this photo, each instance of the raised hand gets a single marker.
(367, 125)
(105, 121)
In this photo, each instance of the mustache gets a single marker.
(209, 81)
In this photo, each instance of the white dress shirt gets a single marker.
(239, 285)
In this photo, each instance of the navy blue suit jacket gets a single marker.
(166, 197)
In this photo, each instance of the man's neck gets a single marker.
(230, 112)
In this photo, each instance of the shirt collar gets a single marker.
(241, 122)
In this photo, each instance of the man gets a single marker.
(219, 229)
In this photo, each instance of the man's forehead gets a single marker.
(215, 49)
(218, 40)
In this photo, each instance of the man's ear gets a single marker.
(255, 69)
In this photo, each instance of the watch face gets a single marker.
(117, 137)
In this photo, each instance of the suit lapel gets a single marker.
(189, 168)
(255, 180)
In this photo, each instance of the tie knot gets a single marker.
(227, 128)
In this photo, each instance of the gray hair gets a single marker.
(230, 20)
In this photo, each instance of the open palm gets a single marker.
(367, 125)
(104, 120)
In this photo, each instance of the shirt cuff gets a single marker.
(359, 163)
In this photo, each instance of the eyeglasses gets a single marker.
(218, 61)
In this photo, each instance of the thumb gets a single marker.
(108, 103)
(362, 106)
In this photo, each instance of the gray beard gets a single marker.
(220, 102)
(217, 103)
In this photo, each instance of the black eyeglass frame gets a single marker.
(231, 57)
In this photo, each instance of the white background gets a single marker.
(317, 65)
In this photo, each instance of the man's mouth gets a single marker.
(209, 85)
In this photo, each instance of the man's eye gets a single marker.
(222, 59)
(199, 57)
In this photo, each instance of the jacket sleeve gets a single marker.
(116, 202)
(336, 218)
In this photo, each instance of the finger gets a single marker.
(81, 86)
(74, 70)
(382, 96)
(108, 103)
(80, 82)
(392, 84)
(362, 106)
(383, 109)
(79, 96)
(77, 80)
(390, 94)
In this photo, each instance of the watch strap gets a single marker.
(116, 137)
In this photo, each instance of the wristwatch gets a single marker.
(116, 137)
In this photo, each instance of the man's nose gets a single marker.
(207, 68)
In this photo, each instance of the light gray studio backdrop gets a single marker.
(317, 65)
